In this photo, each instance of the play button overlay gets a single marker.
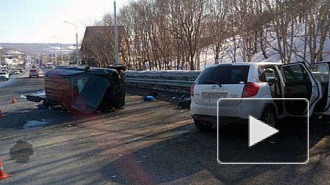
(245, 137)
(259, 131)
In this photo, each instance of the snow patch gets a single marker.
(34, 124)
(40, 93)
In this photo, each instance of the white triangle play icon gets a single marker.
(259, 131)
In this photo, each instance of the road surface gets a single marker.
(144, 143)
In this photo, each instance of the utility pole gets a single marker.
(116, 33)
(77, 47)
(61, 45)
(62, 54)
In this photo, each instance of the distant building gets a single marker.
(52, 58)
(98, 46)
(43, 60)
(9, 59)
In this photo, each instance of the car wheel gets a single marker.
(29, 76)
(202, 125)
(38, 76)
(268, 117)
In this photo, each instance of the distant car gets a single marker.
(17, 72)
(4, 75)
(34, 73)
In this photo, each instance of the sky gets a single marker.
(42, 21)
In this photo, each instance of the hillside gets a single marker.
(207, 57)
(37, 48)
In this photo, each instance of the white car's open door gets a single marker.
(321, 73)
(300, 83)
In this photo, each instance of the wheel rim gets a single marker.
(269, 118)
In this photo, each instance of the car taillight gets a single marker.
(192, 89)
(250, 89)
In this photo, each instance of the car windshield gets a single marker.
(224, 75)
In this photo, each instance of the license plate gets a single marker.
(215, 95)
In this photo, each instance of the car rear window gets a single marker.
(33, 70)
(224, 75)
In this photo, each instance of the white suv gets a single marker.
(257, 80)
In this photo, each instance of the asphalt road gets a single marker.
(144, 143)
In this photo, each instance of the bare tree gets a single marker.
(186, 19)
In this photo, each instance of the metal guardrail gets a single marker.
(175, 83)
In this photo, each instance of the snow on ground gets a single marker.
(38, 93)
(35, 124)
(226, 55)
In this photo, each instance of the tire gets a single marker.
(29, 76)
(38, 76)
(202, 126)
(269, 117)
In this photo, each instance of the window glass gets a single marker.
(266, 73)
(295, 74)
(321, 72)
(79, 83)
(224, 75)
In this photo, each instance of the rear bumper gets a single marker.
(229, 114)
(222, 120)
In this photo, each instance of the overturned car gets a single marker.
(85, 90)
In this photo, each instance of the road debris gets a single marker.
(184, 103)
(14, 100)
(148, 98)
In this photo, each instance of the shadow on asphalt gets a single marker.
(57, 116)
(194, 153)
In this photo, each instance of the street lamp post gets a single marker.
(77, 50)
